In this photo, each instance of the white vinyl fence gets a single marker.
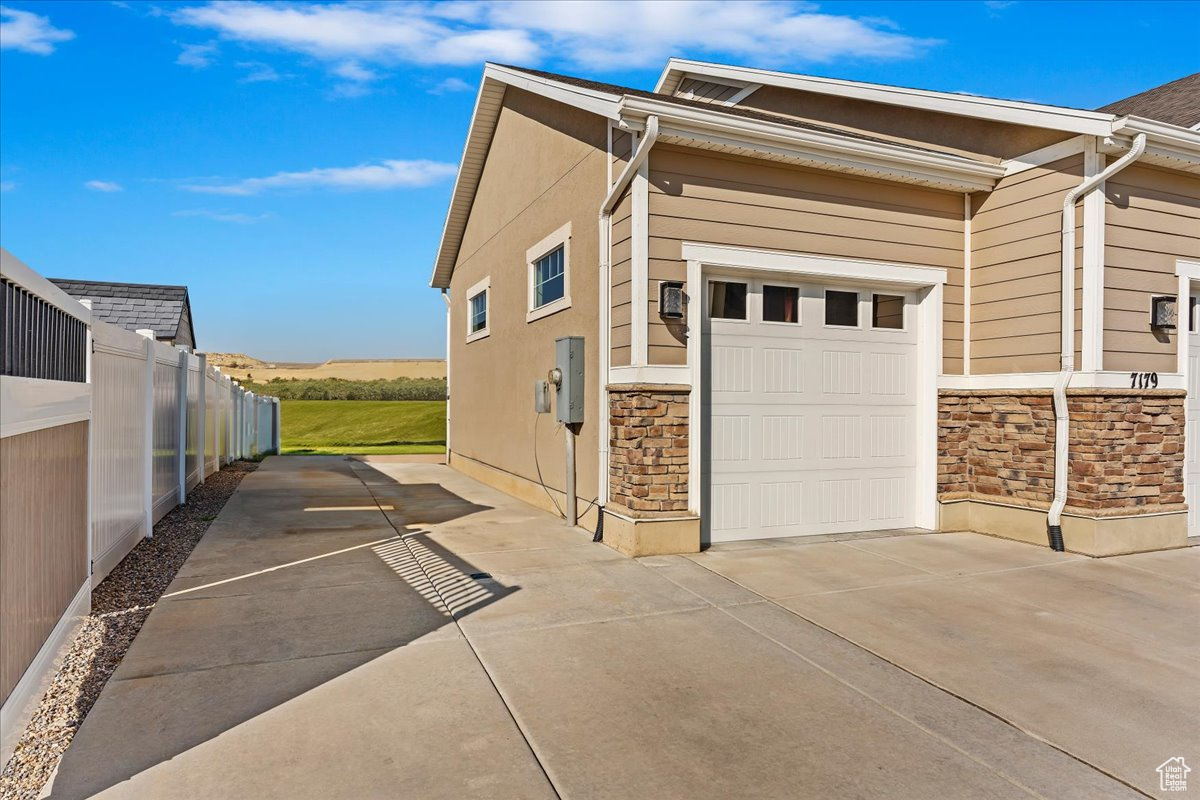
(102, 432)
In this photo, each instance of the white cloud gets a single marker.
(391, 174)
(591, 34)
(258, 72)
(7, 186)
(104, 186)
(452, 85)
(197, 56)
(223, 216)
(29, 32)
(353, 71)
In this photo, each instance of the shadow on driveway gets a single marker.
(300, 580)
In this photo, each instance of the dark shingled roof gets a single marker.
(1175, 103)
(732, 111)
(135, 306)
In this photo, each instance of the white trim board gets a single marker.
(802, 264)
(1045, 155)
(1018, 381)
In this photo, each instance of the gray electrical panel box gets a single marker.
(568, 358)
(541, 397)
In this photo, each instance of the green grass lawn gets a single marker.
(379, 427)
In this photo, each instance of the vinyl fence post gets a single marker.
(181, 451)
(202, 413)
(91, 470)
(278, 443)
(148, 435)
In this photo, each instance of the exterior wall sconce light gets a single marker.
(671, 300)
(1163, 313)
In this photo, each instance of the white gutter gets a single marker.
(649, 137)
(1062, 420)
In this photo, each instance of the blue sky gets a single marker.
(291, 163)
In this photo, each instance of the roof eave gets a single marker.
(1171, 146)
(1094, 123)
(844, 153)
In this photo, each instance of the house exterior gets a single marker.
(818, 306)
(165, 310)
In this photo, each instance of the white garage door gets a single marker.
(811, 397)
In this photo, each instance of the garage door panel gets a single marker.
(812, 427)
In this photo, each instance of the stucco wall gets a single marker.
(976, 138)
(546, 167)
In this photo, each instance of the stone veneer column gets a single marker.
(648, 472)
(1124, 484)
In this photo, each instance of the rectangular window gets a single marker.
(781, 304)
(841, 308)
(478, 302)
(549, 277)
(726, 300)
(887, 311)
(479, 312)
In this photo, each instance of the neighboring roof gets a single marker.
(135, 306)
(1175, 103)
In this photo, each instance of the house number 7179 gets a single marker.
(1143, 380)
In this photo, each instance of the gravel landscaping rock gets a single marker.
(120, 604)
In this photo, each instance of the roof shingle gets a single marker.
(133, 306)
(1175, 103)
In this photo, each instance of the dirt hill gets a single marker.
(239, 365)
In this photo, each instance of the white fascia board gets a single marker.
(1095, 123)
(479, 139)
(711, 255)
(15, 271)
(1168, 145)
(954, 172)
(1045, 155)
(597, 102)
(1098, 379)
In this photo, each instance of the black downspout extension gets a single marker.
(599, 535)
(1056, 540)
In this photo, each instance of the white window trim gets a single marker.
(484, 285)
(561, 237)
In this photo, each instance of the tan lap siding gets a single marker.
(1152, 219)
(621, 292)
(547, 166)
(1015, 274)
(702, 197)
(43, 539)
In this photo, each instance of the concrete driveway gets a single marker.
(379, 629)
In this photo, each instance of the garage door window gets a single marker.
(887, 312)
(841, 308)
(781, 304)
(726, 300)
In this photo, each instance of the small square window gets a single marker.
(887, 311)
(841, 308)
(781, 304)
(549, 278)
(478, 319)
(726, 300)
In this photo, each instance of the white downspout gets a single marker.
(1062, 420)
(446, 299)
(649, 137)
